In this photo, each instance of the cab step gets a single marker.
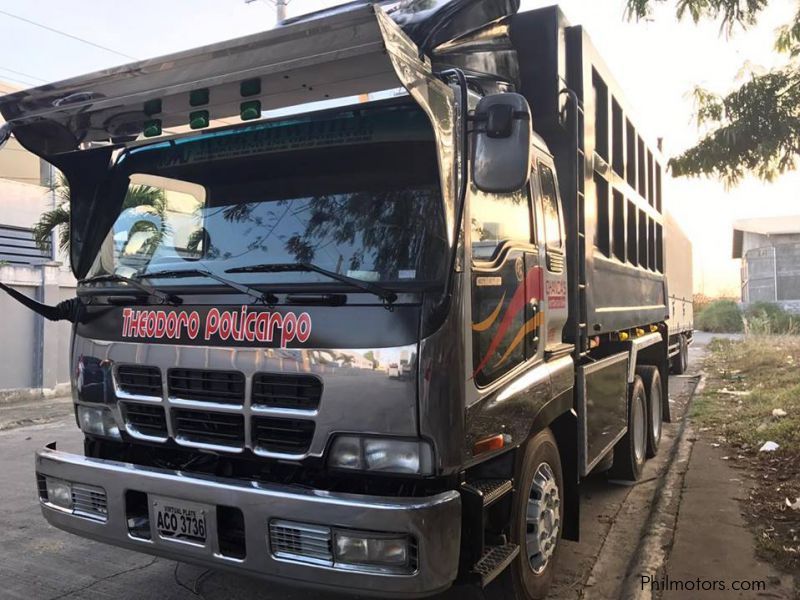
(489, 490)
(493, 562)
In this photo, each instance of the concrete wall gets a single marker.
(771, 269)
(21, 204)
(34, 353)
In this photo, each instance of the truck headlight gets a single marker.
(366, 549)
(98, 421)
(59, 493)
(384, 455)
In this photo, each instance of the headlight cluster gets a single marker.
(385, 455)
(98, 421)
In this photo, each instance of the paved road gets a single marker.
(39, 562)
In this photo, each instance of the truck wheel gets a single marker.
(652, 385)
(630, 452)
(537, 514)
(680, 361)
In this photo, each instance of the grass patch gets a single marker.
(745, 381)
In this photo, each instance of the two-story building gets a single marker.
(770, 251)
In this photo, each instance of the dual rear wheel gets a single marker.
(645, 420)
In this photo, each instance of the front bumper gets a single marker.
(434, 522)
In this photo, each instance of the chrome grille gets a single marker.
(146, 419)
(278, 390)
(213, 428)
(286, 436)
(301, 541)
(225, 387)
(263, 422)
(139, 380)
(89, 501)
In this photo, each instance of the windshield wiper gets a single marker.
(163, 297)
(259, 296)
(388, 296)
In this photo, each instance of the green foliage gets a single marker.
(754, 129)
(57, 219)
(720, 316)
(768, 318)
(732, 12)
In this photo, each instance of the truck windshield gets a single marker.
(369, 210)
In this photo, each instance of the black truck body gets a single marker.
(371, 343)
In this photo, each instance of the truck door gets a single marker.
(506, 283)
(550, 219)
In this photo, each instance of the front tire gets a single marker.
(631, 451)
(536, 521)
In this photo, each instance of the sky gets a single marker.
(657, 62)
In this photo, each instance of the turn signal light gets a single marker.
(490, 444)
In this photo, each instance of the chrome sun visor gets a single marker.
(346, 54)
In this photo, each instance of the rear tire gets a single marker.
(680, 362)
(539, 491)
(652, 385)
(631, 451)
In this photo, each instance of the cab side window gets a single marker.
(498, 218)
(551, 214)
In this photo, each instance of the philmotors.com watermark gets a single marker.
(699, 584)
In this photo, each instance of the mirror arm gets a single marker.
(68, 310)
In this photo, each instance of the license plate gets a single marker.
(180, 520)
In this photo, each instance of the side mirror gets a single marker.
(502, 148)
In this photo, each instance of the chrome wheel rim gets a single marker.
(655, 410)
(639, 429)
(543, 519)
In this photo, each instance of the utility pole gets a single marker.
(280, 8)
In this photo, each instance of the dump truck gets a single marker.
(453, 193)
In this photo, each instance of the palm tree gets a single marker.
(57, 219)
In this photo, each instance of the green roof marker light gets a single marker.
(250, 87)
(152, 107)
(250, 110)
(152, 128)
(199, 119)
(199, 97)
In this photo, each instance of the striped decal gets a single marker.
(529, 289)
(484, 325)
(529, 327)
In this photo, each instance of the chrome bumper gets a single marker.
(434, 522)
